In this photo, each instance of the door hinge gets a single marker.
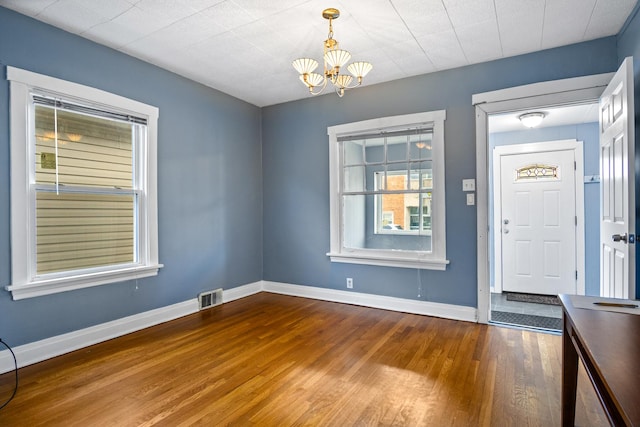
(576, 274)
(575, 165)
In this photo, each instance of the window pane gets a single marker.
(380, 179)
(408, 210)
(353, 154)
(420, 146)
(397, 177)
(374, 150)
(375, 178)
(416, 217)
(426, 175)
(354, 178)
(367, 223)
(354, 211)
(395, 205)
(397, 148)
(92, 151)
(77, 231)
(421, 176)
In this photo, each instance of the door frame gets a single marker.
(536, 95)
(531, 148)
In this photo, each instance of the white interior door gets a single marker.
(617, 211)
(538, 222)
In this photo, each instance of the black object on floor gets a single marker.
(527, 320)
(538, 299)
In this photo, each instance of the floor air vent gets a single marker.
(210, 299)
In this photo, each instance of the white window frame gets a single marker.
(436, 258)
(24, 282)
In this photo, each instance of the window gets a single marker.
(387, 191)
(83, 186)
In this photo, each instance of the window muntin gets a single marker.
(388, 207)
(83, 186)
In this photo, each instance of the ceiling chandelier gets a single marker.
(334, 58)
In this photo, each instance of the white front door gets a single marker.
(617, 212)
(538, 222)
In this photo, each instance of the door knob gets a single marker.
(619, 237)
(506, 221)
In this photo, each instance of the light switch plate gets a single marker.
(471, 199)
(468, 185)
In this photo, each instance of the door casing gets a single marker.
(532, 96)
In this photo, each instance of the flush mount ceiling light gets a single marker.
(334, 58)
(531, 120)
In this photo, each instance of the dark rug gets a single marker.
(527, 320)
(538, 299)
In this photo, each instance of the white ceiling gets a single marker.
(245, 47)
(554, 116)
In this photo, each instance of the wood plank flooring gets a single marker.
(274, 360)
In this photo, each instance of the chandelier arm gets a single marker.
(322, 88)
(358, 83)
(341, 89)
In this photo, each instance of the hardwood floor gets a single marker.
(274, 360)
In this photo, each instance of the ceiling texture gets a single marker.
(245, 47)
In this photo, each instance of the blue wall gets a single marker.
(588, 133)
(629, 45)
(212, 223)
(296, 165)
(210, 210)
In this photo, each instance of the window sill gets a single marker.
(405, 232)
(389, 261)
(61, 284)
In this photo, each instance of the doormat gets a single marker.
(538, 299)
(520, 319)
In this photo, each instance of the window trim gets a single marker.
(23, 284)
(434, 260)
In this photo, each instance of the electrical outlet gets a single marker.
(349, 283)
(468, 185)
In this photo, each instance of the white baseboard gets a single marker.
(38, 351)
(426, 308)
(241, 291)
